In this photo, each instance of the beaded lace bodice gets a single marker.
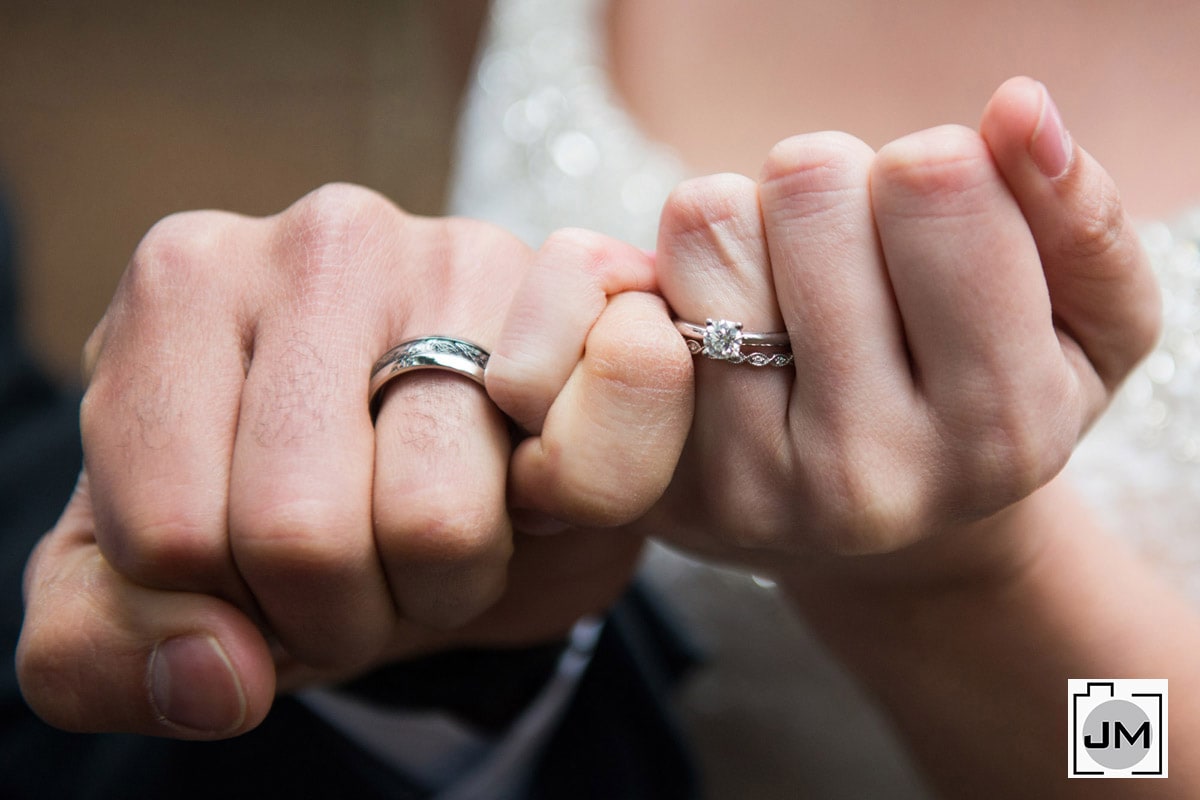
(544, 144)
(1140, 464)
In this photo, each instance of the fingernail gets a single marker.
(193, 685)
(1051, 147)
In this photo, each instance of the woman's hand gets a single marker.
(961, 306)
(240, 524)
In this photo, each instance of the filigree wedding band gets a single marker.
(427, 352)
(723, 340)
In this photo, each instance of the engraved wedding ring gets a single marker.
(427, 352)
(723, 340)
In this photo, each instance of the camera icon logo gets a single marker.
(1118, 728)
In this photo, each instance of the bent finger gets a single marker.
(100, 653)
(562, 295)
(159, 417)
(613, 436)
(1102, 288)
(441, 446)
(442, 528)
(713, 263)
(300, 480)
(966, 274)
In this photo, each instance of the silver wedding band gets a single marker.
(723, 340)
(427, 352)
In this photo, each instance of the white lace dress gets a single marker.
(544, 144)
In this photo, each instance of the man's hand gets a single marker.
(240, 524)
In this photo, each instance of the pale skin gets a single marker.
(1030, 319)
(241, 527)
(950, 593)
(1122, 74)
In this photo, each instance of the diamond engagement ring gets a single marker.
(427, 352)
(723, 340)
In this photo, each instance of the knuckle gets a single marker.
(949, 161)
(747, 529)
(303, 537)
(333, 229)
(868, 505)
(714, 203)
(743, 510)
(861, 522)
(999, 471)
(176, 256)
(178, 237)
(713, 228)
(448, 529)
(170, 549)
(1008, 447)
(872, 523)
(1099, 225)
(336, 205)
(815, 164)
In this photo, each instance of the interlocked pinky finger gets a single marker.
(562, 295)
(612, 437)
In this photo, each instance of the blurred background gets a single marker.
(113, 115)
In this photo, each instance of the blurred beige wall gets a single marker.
(115, 114)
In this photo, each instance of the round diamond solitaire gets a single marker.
(722, 339)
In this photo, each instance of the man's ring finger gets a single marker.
(427, 352)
